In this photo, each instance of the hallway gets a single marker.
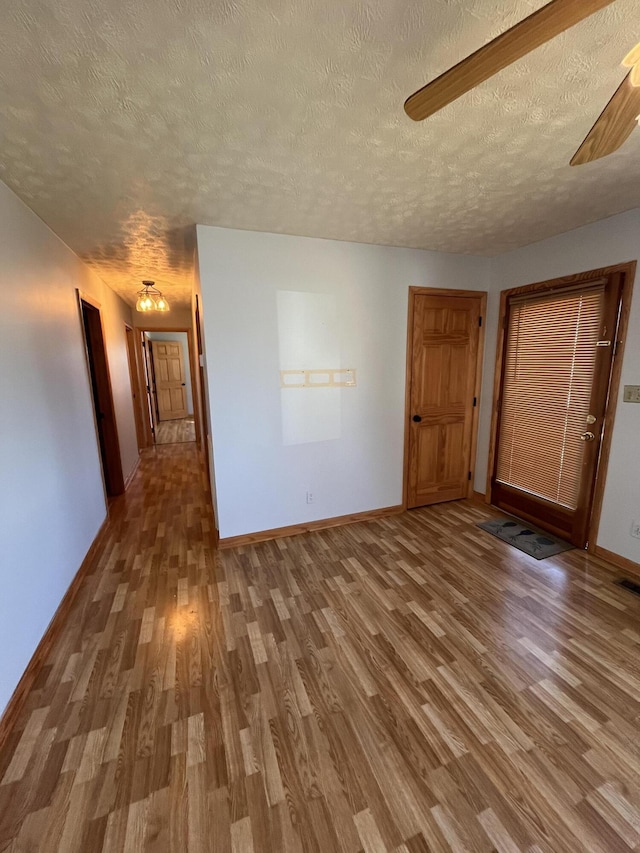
(409, 684)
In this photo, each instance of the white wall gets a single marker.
(262, 481)
(51, 500)
(184, 341)
(604, 243)
(115, 314)
(176, 318)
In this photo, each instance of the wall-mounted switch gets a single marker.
(631, 394)
(635, 529)
(309, 497)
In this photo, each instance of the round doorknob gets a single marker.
(587, 436)
(416, 419)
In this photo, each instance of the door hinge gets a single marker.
(475, 401)
(469, 477)
(479, 321)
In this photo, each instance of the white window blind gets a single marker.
(546, 393)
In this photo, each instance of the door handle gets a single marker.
(587, 436)
(183, 384)
(416, 419)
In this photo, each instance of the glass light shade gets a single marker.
(150, 298)
(145, 302)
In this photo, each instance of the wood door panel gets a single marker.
(170, 380)
(433, 320)
(432, 368)
(164, 400)
(178, 400)
(459, 322)
(541, 513)
(454, 467)
(428, 440)
(442, 463)
(457, 386)
(445, 336)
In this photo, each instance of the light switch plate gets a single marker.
(631, 394)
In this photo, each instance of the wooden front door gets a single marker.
(445, 338)
(557, 360)
(170, 379)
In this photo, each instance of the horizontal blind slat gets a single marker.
(548, 375)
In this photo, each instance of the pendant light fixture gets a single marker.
(150, 298)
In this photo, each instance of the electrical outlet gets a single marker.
(309, 497)
(635, 529)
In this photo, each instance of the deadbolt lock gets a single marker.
(591, 419)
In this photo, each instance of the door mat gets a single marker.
(534, 542)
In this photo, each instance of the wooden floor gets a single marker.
(410, 684)
(178, 430)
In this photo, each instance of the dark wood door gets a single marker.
(556, 368)
(135, 386)
(445, 340)
(102, 400)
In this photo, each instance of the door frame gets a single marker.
(203, 398)
(442, 291)
(628, 271)
(139, 330)
(150, 365)
(112, 461)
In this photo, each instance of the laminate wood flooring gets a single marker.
(409, 684)
(175, 431)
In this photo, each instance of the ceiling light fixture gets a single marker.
(150, 298)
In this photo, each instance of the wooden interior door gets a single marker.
(135, 386)
(150, 412)
(102, 399)
(445, 338)
(557, 359)
(170, 380)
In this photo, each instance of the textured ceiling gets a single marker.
(124, 122)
